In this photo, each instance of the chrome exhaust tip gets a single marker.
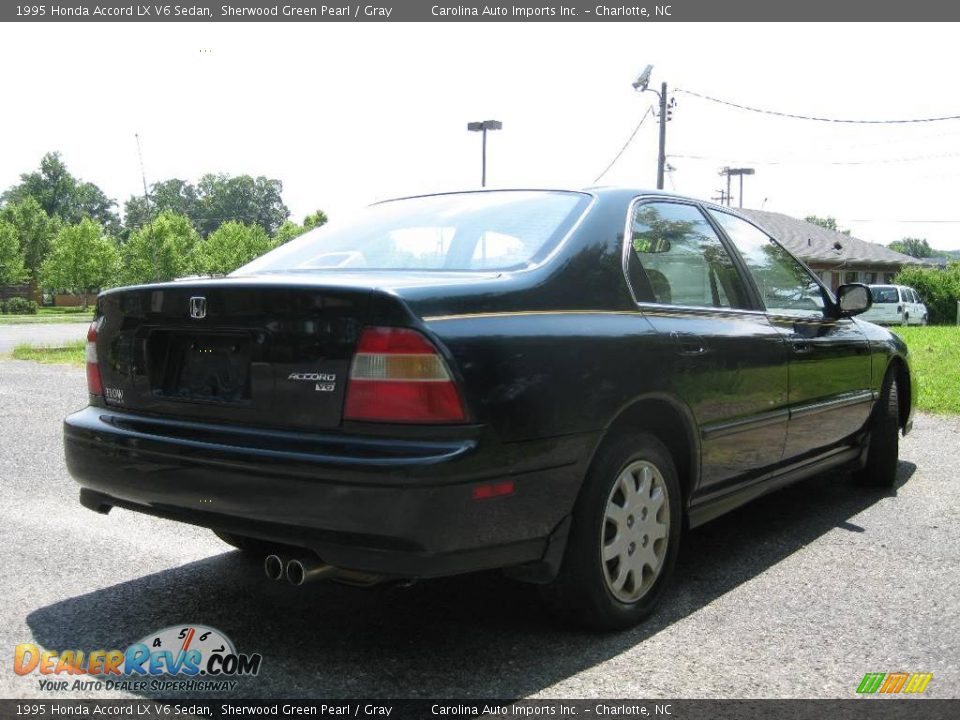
(303, 570)
(273, 567)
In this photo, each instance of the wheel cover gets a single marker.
(635, 531)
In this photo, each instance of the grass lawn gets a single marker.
(71, 353)
(50, 315)
(935, 358)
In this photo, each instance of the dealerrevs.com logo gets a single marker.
(181, 657)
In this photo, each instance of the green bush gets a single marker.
(19, 306)
(939, 290)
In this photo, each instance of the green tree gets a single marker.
(939, 290)
(288, 231)
(243, 199)
(173, 195)
(82, 260)
(216, 199)
(830, 223)
(12, 269)
(228, 247)
(158, 251)
(35, 230)
(914, 247)
(62, 195)
(315, 220)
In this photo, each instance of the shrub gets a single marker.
(939, 290)
(20, 306)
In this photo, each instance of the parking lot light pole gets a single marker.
(483, 127)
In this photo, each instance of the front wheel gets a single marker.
(884, 447)
(624, 537)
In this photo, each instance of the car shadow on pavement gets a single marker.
(471, 636)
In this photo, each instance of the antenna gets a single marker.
(146, 199)
(143, 173)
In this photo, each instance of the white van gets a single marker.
(896, 305)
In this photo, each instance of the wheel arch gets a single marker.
(901, 373)
(671, 422)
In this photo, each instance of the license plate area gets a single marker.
(204, 368)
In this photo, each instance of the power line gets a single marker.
(626, 144)
(778, 113)
(881, 161)
(860, 220)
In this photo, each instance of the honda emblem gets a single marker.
(198, 308)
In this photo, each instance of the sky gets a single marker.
(347, 114)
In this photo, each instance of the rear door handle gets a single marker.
(801, 347)
(689, 345)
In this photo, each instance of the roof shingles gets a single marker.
(815, 244)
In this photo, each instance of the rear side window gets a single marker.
(683, 260)
(787, 288)
(885, 294)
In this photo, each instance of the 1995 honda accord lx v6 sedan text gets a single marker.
(554, 383)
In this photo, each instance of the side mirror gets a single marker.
(853, 299)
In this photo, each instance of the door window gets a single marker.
(786, 286)
(683, 260)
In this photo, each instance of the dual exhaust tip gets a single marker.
(297, 571)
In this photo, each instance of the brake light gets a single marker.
(397, 375)
(94, 383)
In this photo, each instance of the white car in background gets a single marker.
(896, 305)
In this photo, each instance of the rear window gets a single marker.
(500, 230)
(885, 295)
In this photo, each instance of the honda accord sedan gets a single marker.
(554, 383)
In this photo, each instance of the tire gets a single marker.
(884, 444)
(248, 545)
(624, 537)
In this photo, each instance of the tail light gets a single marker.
(398, 376)
(94, 383)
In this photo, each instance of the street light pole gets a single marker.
(483, 127)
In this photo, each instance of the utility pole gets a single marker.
(662, 158)
(641, 84)
(728, 171)
(722, 198)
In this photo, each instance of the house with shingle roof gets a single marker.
(835, 257)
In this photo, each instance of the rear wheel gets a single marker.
(624, 537)
(884, 448)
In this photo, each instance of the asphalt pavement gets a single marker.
(796, 595)
(40, 334)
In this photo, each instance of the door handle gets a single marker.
(689, 345)
(801, 347)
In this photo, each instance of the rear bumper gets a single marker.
(395, 507)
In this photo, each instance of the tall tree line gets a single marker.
(64, 233)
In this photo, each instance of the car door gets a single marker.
(725, 360)
(830, 394)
